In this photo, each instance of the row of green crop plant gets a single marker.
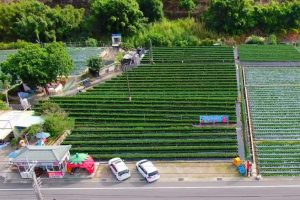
(165, 156)
(276, 76)
(279, 158)
(191, 55)
(268, 53)
(204, 129)
(274, 106)
(166, 100)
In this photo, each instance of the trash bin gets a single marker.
(242, 170)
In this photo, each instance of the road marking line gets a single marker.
(161, 188)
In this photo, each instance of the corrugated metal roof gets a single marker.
(11, 119)
(42, 153)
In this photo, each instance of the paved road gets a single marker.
(252, 190)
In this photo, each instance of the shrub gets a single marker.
(3, 105)
(272, 39)
(14, 142)
(50, 108)
(95, 64)
(182, 32)
(253, 39)
(33, 130)
(91, 42)
(13, 45)
(57, 124)
(126, 46)
(119, 59)
(207, 42)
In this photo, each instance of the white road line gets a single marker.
(161, 188)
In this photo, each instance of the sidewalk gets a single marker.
(169, 171)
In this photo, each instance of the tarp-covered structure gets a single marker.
(83, 161)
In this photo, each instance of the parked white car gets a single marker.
(148, 170)
(119, 168)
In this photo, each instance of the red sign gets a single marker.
(55, 174)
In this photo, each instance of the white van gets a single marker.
(119, 168)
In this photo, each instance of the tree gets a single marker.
(33, 21)
(113, 16)
(152, 9)
(66, 21)
(37, 66)
(276, 16)
(227, 16)
(188, 5)
(95, 64)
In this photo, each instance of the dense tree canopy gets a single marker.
(152, 9)
(241, 16)
(276, 16)
(31, 20)
(112, 16)
(227, 16)
(37, 66)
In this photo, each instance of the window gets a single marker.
(50, 168)
(123, 172)
(153, 173)
(56, 168)
(145, 172)
(114, 168)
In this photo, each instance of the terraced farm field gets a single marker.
(166, 100)
(80, 56)
(268, 53)
(274, 95)
(206, 54)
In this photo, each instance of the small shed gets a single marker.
(116, 39)
(49, 160)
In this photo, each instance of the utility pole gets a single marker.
(36, 181)
(36, 186)
(151, 52)
(128, 86)
(124, 69)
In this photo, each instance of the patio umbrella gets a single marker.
(40, 143)
(79, 158)
(42, 135)
(14, 154)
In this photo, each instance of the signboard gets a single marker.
(206, 119)
(55, 174)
